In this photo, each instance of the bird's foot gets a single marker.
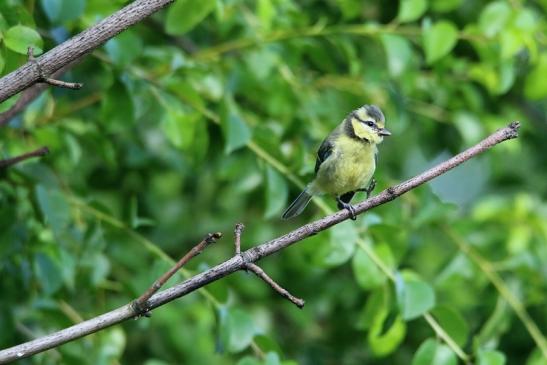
(348, 207)
(368, 190)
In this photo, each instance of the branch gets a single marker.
(254, 254)
(255, 269)
(12, 161)
(30, 94)
(78, 46)
(48, 80)
(275, 286)
(140, 304)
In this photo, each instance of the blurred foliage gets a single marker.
(210, 112)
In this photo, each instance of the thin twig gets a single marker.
(237, 237)
(275, 286)
(238, 262)
(48, 80)
(42, 151)
(261, 273)
(60, 83)
(139, 305)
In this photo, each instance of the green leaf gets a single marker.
(49, 272)
(536, 358)
(112, 345)
(443, 6)
(410, 10)
(453, 323)
(367, 273)
(377, 302)
(237, 329)
(494, 17)
(266, 343)
(236, 132)
(382, 342)
(431, 352)
(272, 358)
(266, 12)
(135, 220)
(249, 360)
(63, 10)
(415, 297)
(438, 40)
(340, 246)
(535, 87)
(398, 52)
(184, 15)
(20, 37)
(491, 357)
(124, 48)
(179, 127)
(100, 267)
(117, 110)
(511, 43)
(54, 207)
(351, 9)
(276, 192)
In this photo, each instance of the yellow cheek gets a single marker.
(361, 131)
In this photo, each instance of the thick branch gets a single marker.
(239, 262)
(42, 151)
(78, 46)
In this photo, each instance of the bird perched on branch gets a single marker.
(346, 160)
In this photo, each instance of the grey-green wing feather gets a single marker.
(325, 150)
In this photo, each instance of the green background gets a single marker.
(209, 113)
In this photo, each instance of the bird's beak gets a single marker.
(384, 132)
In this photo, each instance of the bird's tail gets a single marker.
(298, 205)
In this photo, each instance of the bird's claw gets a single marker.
(349, 208)
(368, 190)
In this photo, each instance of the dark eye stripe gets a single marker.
(370, 123)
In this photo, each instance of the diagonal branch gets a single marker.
(140, 304)
(42, 151)
(78, 46)
(252, 255)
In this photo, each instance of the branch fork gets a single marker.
(257, 270)
(48, 80)
(140, 305)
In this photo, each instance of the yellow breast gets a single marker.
(349, 167)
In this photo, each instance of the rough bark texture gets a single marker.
(240, 261)
(78, 46)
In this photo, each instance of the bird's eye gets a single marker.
(370, 123)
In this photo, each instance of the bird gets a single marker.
(346, 160)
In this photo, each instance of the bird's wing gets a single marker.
(325, 150)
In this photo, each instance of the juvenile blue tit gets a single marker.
(346, 160)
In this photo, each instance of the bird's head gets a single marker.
(367, 123)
